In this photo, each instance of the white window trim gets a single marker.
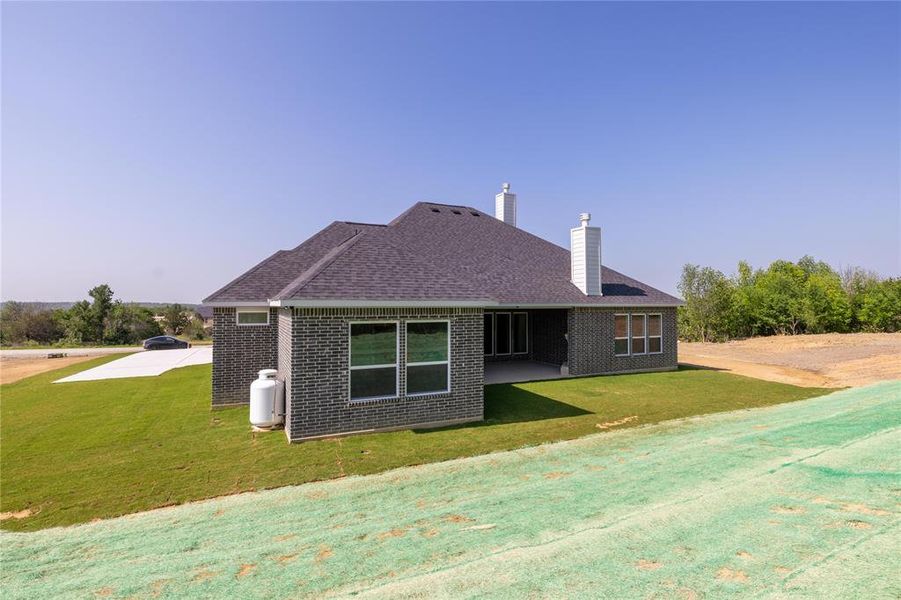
(427, 363)
(251, 309)
(396, 363)
(648, 335)
(628, 336)
(490, 314)
(509, 333)
(526, 351)
(644, 317)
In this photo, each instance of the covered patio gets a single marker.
(517, 371)
(524, 345)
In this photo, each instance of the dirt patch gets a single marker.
(727, 574)
(865, 510)
(458, 519)
(825, 360)
(648, 565)
(245, 570)
(204, 575)
(622, 421)
(285, 558)
(556, 475)
(14, 369)
(20, 514)
(324, 553)
(397, 532)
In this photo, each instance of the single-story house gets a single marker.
(375, 327)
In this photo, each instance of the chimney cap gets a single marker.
(506, 187)
(584, 218)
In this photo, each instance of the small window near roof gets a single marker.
(253, 316)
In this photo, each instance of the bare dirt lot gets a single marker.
(14, 369)
(826, 360)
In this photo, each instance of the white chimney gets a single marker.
(505, 206)
(585, 256)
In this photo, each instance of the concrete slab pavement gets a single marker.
(144, 364)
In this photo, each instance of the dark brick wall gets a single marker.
(591, 342)
(239, 352)
(319, 398)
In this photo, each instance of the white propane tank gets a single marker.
(267, 400)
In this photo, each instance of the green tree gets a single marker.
(12, 322)
(129, 324)
(708, 295)
(880, 308)
(780, 298)
(175, 318)
(78, 323)
(101, 306)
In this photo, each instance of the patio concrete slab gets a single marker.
(144, 364)
(517, 371)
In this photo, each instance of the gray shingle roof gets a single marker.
(432, 252)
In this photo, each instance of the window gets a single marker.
(638, 334)
(655, 334)
(621, 335)
(253, 316)
(489, 334)
(373, 360)
(502, 333)
(428, 357)
(520, 333)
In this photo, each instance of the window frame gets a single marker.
(489, 314)
(628, 336)
(512, 348)
(644, 317)
(426, 363)
(251, 310)
(509, 351)
(648, 335)
(396, 365)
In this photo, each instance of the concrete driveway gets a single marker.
(145, 364)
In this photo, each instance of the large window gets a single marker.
(638, 333)
(428, 357)
(621, 335)
(502, 333)
(506, 333)
(255, 315)
(373, 360)
(655, 334)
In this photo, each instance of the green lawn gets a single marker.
(79, 451)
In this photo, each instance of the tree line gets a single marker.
(786, 298)
(102, 320)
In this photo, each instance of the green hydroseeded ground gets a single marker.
(74, 452)
(798, 500)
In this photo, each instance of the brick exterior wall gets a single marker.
(319, 397)
(591, 342)
(239, 352)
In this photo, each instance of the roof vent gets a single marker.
(456, 212)
(585, 256)
(474, 213)
(435, 210)
(505, 206)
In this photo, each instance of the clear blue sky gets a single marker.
(164, 148)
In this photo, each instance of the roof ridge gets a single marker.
(319, 266)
